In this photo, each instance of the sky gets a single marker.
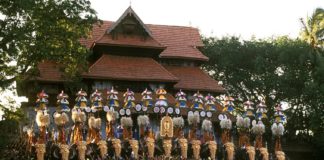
(244, 18)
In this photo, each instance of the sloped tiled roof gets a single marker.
(131, 40)
(128, 68)
(49, 71)
(138, 69)
(129, 12)
(193, 78)
(134, 41)
(180, 42)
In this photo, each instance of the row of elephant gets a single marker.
(125, 151)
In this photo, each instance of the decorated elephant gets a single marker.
(204, 151)
(230, 150)
(92, 151)
(126, 149)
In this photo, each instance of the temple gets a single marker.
(143, 96)
(130, 54)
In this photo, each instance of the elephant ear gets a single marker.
(91, 149)
(57, 153)
(189, 150)
(157, 148)
(204, 152)
(73, 152)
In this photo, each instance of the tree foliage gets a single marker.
(36, 30)
(280, 69)
(313, 28)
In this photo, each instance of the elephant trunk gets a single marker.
(230, 150)
(167, 146)
(265, 154)
(184, 147)
(212, 146)
(280, 155)
(82, 147)
(134, 145)
(196, 148)
(64, 150)
(150, 146)
(251, 152)
(103, 148)
(117, 147)
(40, 151)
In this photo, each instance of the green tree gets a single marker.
(313, 28)
(36, 30)
(313, 33)
(280, 69)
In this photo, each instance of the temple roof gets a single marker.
(193, 78)
(174, 42)
(49, 71)
(133, 41)
(129, 12)
(128, 68)
(180, 42)
(112, 67)
(129, 30)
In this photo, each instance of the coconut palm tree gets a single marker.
(313, 29)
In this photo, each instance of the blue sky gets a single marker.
(245, 18)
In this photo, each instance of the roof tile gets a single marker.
(49, 71)
(129, 41)
(193, 78)
(180, 41)
(129, 68)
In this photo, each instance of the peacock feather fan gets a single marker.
(178, 122)
(78, 116)
(207, 125)
(193, 119)
(112, 115)
(92, 122)
(61, 118)
(277, 129)
(126, 122)
(42, 119)
(226, 124)
(143, 120)
(97, 123)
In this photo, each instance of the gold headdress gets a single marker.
(166, 127)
